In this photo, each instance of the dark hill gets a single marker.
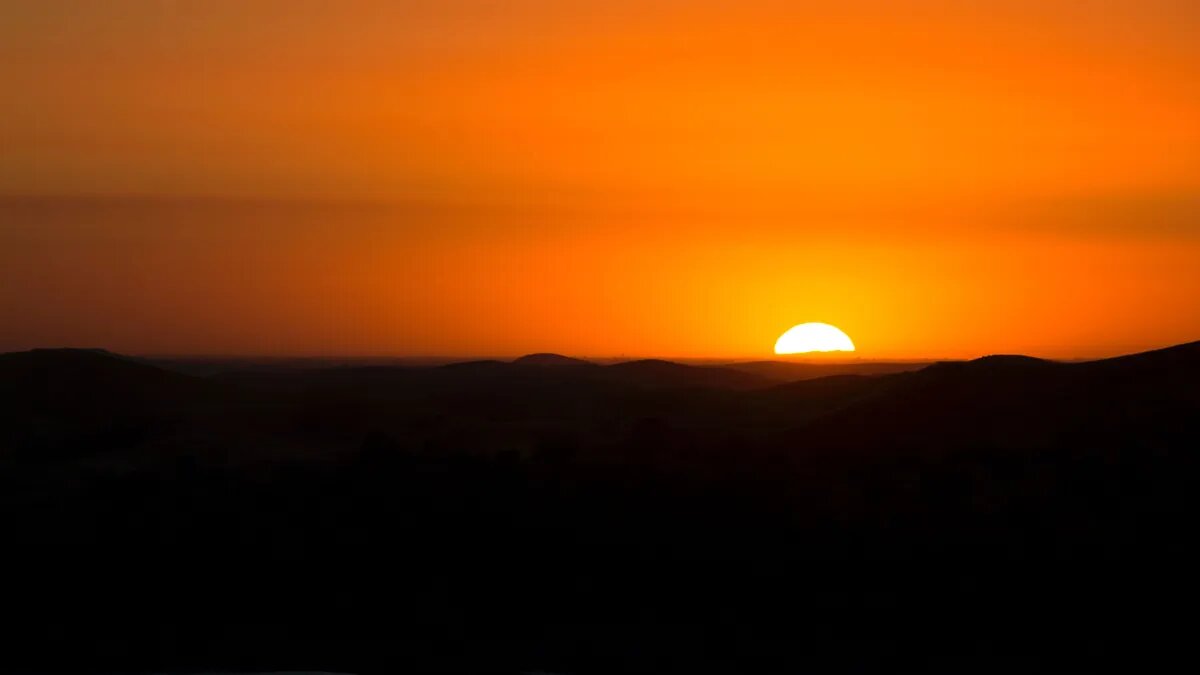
(1181, 359)
(1001, 365)
(546, 359)
(1021, 402)
(658, 373)
(59, 402)
(81, 379)
(792, 371)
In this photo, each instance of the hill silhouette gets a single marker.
(49, 375)
(55, 401)
(549, 515)
(1016, 401)
(791, 371)
(659, 373)
(545, 359)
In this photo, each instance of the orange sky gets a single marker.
(458, 177)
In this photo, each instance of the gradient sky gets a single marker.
(459, 177)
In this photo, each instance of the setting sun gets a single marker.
(813, 337)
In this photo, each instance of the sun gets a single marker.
(813, 337)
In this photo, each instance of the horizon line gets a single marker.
(1082, 354)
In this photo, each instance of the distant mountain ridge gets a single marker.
(53, 396)
(55, 401)
(70, 373)
(549, 359)
(1023, 402)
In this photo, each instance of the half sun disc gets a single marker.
(813, 337)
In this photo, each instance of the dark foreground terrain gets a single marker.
(999, 515)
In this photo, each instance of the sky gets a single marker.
(599, 178)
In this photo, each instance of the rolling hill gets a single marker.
(963, 513)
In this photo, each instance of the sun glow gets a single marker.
(813, 337)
